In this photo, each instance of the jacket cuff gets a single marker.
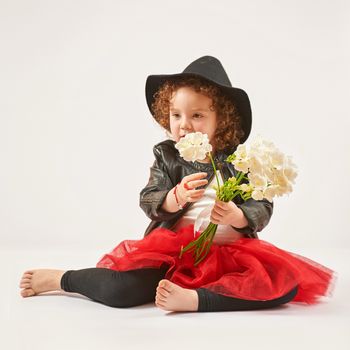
(251, 218)
(157, 213)
(257, 213)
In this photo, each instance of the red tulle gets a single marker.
(251, 269)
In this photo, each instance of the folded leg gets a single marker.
(209, 301)
(114, 288)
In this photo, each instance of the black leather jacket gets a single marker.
(168, 170)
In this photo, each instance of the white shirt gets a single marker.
(224, 233)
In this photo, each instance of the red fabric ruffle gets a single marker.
(250, 269)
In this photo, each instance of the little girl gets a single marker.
(241, 272)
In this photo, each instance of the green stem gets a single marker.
(235, 193)
(208, 245)
(208, 248)
(216, 175)
(202, 242)
(239, 177)
(209, 232)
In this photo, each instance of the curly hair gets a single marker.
(229, 131)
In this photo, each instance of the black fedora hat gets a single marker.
(211, 69)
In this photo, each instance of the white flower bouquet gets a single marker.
(263, 172)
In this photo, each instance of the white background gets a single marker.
(76, 135)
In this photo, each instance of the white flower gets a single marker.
(277, 159)
(241, 161)
(270, 172)
(244, 188)
(256, 165)
(257, 181)
(232, 179)
(241, 151)
(257, 195)
(241, 165)
(194, 146)
(270, 192)
(291, 170)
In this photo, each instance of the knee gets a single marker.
(116, 295)
(130, 288)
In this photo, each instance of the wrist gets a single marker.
(178, 199)
(240, 220)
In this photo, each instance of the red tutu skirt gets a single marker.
(250, 269)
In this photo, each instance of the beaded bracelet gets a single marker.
(177, 200)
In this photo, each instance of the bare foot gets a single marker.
(171, 297)
(40, 280)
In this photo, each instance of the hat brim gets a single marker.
(237, 95)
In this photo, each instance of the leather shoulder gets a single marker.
(165, 148)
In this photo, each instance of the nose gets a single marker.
(185, 124)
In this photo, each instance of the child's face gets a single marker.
(190, 112)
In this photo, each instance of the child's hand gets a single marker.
(186, 189)
(227, 213)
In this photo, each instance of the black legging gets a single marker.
(137, 287)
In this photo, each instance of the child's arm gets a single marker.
(158, 199)
(228, 213)
(154, 194)
(185, 195)
(257, 213)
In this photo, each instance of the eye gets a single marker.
(175, 115)
(198, 116)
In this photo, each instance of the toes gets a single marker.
(160, 298)
(30, 272)
(26, 276)
(24, 281)
(160, 305)
(167, 285)
(162, 291)
(28, 292)
(24, 285)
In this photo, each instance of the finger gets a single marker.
(217, 216)
(196, 183)
(195, 193)
(214, 220)
(221, 205)
(195, 176)
(194, 197)
(219, 211)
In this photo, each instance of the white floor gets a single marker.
(60, 320)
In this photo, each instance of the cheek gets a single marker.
(174, 128)
(211, 129)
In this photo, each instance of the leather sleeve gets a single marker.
(258, 214)
(155, 192)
